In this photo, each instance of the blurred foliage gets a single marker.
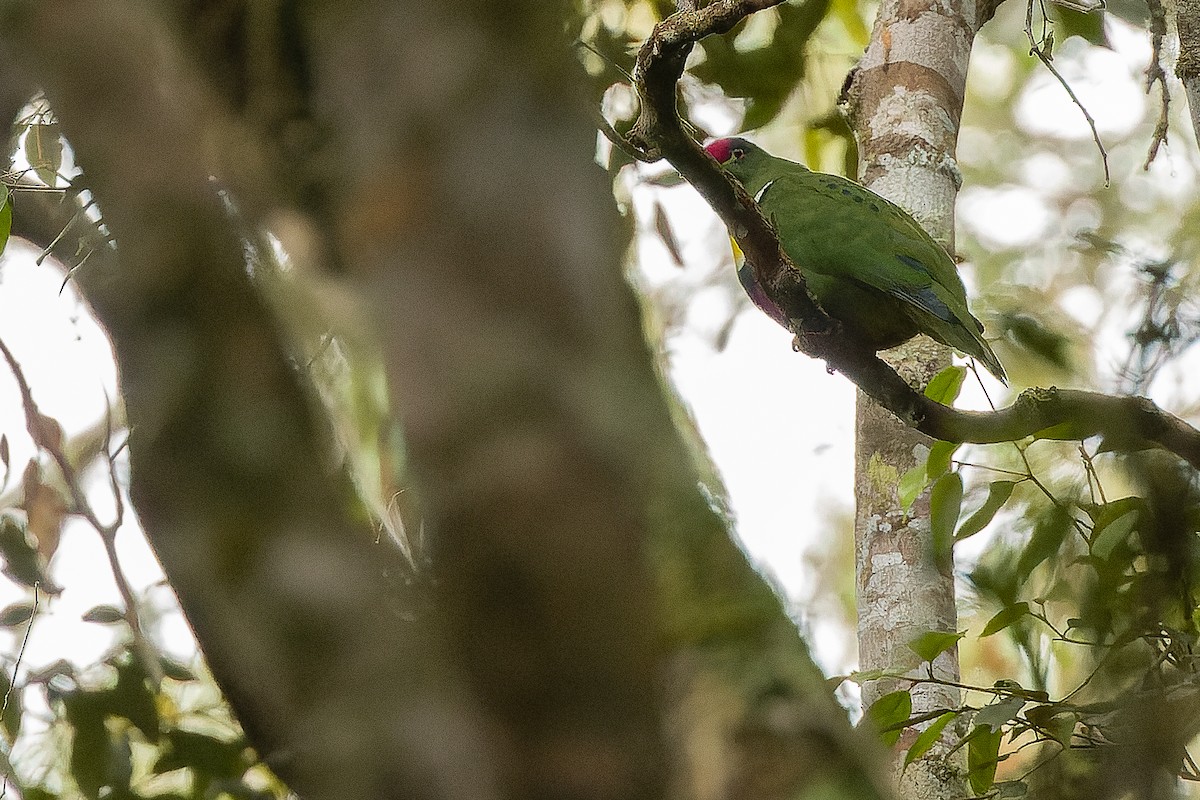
(766, 63)
(763, 59)
(120, 728)
(1090, 581)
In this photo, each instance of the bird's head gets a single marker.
(739, 157)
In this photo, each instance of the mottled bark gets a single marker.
(1187, 67)
(905, 103)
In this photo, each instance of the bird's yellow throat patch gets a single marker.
(739, 257)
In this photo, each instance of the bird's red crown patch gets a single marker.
(721, 149)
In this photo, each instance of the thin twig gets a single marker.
(47, 436)
(620, 142)
(1038, 49)
(17, 668)
(46, 251)
(70, 273)
(1155, 74)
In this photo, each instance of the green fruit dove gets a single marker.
(868, 264)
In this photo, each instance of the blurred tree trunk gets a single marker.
(905, 104)
(297, 610)
(435, 161)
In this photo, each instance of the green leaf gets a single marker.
(888, 715)
(11, 699)
(21, 560)
(996, 714)
(90, 744)
(16, 614)
(6, 214)
(39, 793)
(998, 494)
(44, 149)
(765, 71)
(1035, 336)
(938, 460)
(105, 615)
(983, 751)
(847, 13)
(133, 699)
(931, 644)
(927, 737)
(1005, 617)
(1061, 727)
(1055, 721)
(1047, 538)
(1106, 537)
(868, 675)
(179, 672)
(1103, 513)
(1040, 715)
(1070, 22)
(205, 755)
(1016, 689)
(912, 483)
(1063, 432)
(945, 501)
(944, 387)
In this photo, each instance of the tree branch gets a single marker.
(1124, 422)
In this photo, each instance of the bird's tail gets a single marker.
(971, 343)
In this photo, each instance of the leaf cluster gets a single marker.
(128, 737)
(1096, 593)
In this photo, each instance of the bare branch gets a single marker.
(1187, 66)
(1042, 51)
(7, 778)
(1155, 74)
(47, 435)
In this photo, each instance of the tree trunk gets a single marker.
(905, 103)
(1187, 67)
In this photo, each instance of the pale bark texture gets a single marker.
(905, 102)
(1187, 67)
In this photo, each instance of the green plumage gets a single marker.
(867, 262)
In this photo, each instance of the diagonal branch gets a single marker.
(1125, 423)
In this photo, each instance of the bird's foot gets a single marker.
(810, 341)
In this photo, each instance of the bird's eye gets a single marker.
(738, 153)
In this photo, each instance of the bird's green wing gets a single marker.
(839, 229)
